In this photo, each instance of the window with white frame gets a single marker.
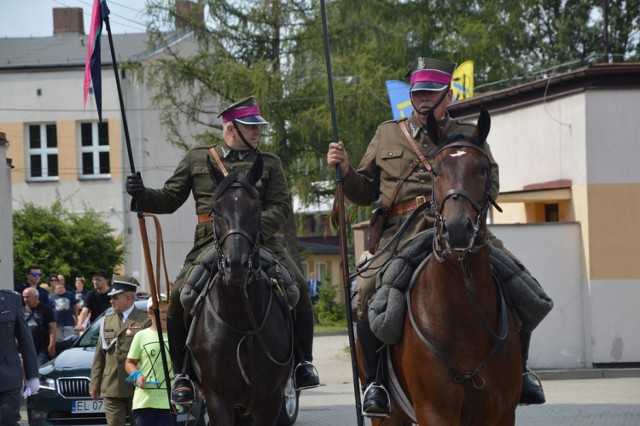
(42, 152)
(321, 270)
(94, 150)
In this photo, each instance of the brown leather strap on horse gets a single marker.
(154, 280)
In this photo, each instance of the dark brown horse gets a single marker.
(459, 359)
(243, 339)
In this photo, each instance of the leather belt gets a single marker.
(407, 206)
(204, 218)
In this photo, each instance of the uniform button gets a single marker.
(421, 169)
(390, 154)
(421, 180)
(424, 145)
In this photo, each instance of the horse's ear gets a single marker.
(484, 125)
(255, 173)
(214, 172)
(435, 132)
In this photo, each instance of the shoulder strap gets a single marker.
(216, 157)
(412, 142)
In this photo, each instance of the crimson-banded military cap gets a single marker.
(122, 283)
(430, 74)
(245, 111)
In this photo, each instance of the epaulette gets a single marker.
(466, 123)
(269, 154)
(6, 290)
(394, 120)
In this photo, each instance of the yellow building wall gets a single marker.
(613, 230)
(68, 143)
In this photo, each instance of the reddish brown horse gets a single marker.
(459, 359)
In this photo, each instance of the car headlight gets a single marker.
(47, 383)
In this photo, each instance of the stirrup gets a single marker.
(533, 374)
(295, 376)
(190, 388)
(374, 385)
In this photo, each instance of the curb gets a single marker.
(588, 373)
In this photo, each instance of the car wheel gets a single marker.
(289, 409)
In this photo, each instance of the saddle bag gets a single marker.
(376, 227)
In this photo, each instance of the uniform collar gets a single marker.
(231, 154)
(416, 127)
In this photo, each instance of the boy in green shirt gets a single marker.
(146, 373)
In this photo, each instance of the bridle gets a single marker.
(254, 263)
(479, 239)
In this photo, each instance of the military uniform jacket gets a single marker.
(14, 326)
(107, 372)
(191, 176)
(388, 156)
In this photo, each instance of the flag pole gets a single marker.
(342, 223)
(141, 222)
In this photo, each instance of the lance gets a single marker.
(143, 229)
(342, 223)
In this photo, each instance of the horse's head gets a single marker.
(236, 210)
(461, 176)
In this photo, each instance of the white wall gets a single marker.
(551, 252)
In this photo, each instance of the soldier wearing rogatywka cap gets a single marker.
(388, 156)
(108, 374)
(242, 127)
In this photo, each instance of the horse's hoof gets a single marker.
(376, 401)
(306, 376)
(182, 391)
(532, 392)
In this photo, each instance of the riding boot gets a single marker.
(305, 374)
(532, 392)
(182, 388)
(376, 398)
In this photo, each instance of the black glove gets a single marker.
(135, 187)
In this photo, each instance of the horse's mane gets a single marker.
(230, 180)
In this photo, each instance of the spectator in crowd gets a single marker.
(97, 300)
(65, 309)
(16, 348)
(314, 287)
(39, 316)
(146, 371)
(63, 280)
(80, 292)
(108, 375)
(34, 274)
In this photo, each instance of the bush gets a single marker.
(62, 242)
(328, 311)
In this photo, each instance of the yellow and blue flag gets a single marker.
(399, 99)
(462, 83)
(92, 66)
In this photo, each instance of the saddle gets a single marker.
(205, 268)
(524, 295)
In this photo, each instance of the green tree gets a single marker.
(62, 242)
(328, 311)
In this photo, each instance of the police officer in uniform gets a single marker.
(241, 133)
(389, 155)
(108, 375)
(13, 326)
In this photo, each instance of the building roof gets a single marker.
(67, 50)
(593, 76)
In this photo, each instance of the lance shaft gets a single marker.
(342, 223)
(141, 223)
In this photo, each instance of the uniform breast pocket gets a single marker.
(390, 161)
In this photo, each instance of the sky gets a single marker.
(25, 18)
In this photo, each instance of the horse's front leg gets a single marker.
(220, 412)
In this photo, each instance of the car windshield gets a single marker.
(90, 337)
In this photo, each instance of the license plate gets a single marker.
(87, 406)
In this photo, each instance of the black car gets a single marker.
(63, 398)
